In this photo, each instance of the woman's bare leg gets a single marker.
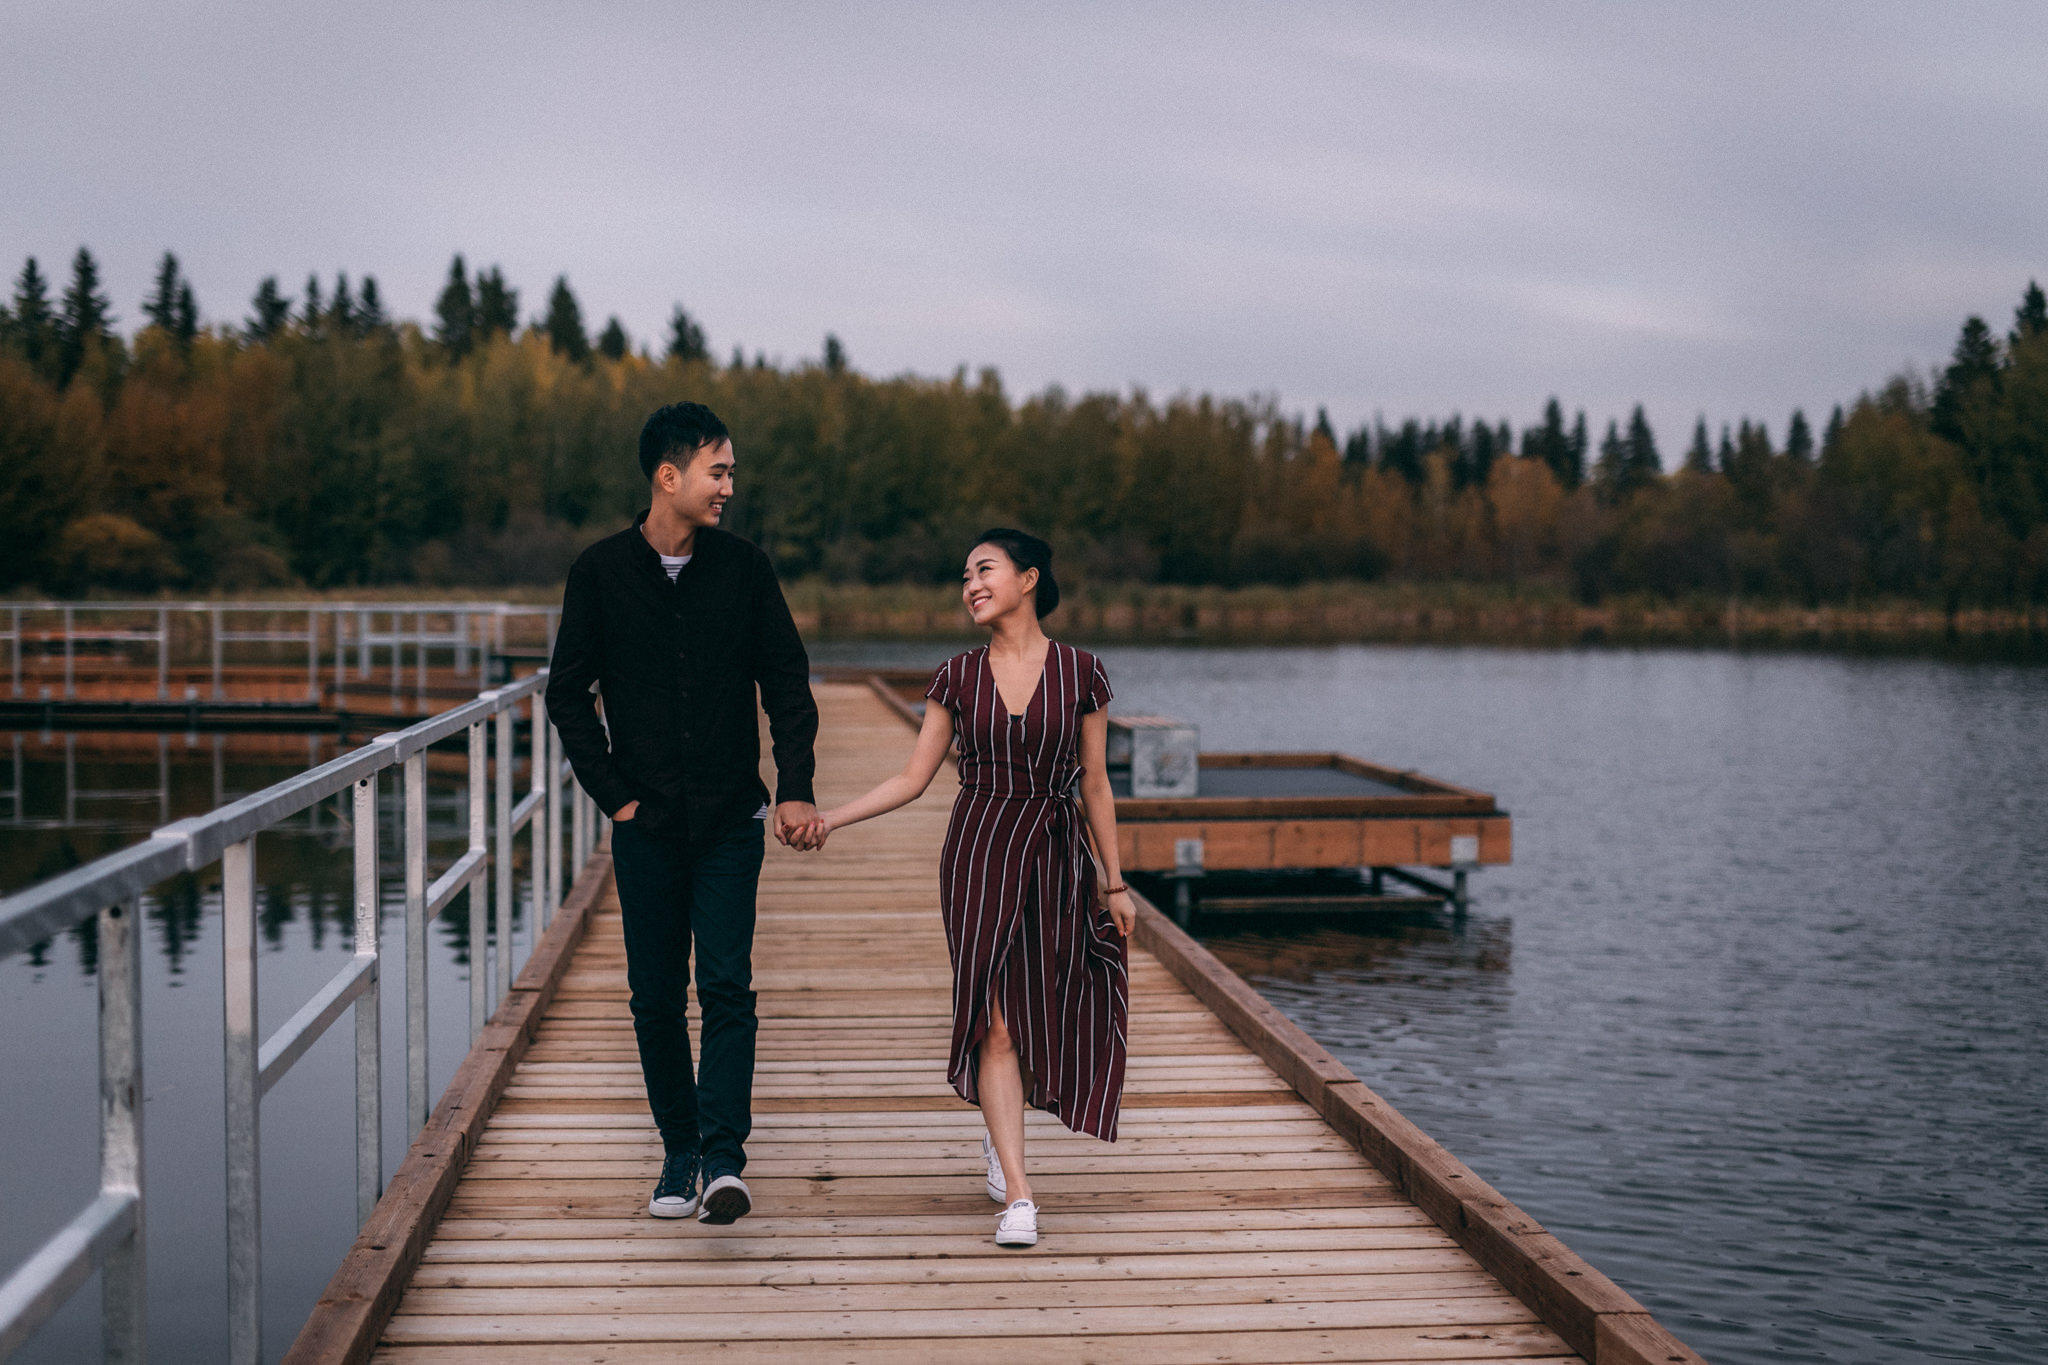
(1002, 1102)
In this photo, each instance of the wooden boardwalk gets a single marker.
(1232, 1222)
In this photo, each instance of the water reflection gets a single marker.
(70, 798)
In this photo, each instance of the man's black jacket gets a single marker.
(677, 664)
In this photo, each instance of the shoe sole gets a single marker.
(728, 1205)
(1017, 1239)
(660, 1210)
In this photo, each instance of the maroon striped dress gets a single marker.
(1017, 889)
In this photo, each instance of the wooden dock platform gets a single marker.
(1262, 1205)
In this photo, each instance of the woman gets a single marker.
(1039, 971)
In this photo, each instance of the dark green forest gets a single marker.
(320, 443)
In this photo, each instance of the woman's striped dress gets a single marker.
(1017, 888)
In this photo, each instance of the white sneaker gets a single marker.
(1018, 1227)
(726, 1200)
(997, 1190)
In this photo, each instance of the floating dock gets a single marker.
(1334, 828)
(1262, 1206)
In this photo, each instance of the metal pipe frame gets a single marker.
(107, 1234)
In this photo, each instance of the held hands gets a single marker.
(1123, 912)
(799, 826)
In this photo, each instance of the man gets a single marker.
(676, 622)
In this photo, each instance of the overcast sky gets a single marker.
(1720, 208)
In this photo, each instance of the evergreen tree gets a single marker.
(1748, 467)
(835, 355)
(1611, 473)
(686, 339)
(455, 312)
(497, 305)
(1575, 453)
(1401, 451)
(313, 316)
(1699, 456)
(86, 317)
(185, 325)
(34, 327)
(342, 312)
(2031, 317)
(1832, 436)
(1799, 439)
(611, 342)
(161, 307)
(1323, 427)
(739, 359)
(1645, 466)
(272, 311)
(564, 324)
(370, 314)
(1358, 448)
(1550, 444)
(1972, 372)
(1476, 459)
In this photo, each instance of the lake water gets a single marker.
(1755, 1021)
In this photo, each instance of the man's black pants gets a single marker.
(671, 891)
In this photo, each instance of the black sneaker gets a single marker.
(726, 1198)
(675, 1194)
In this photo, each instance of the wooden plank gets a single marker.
(1499, 1342)
(955, 1324)
(797, 1295)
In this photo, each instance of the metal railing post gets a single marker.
(579, 830)
(70, 687)
(124, 1301)
(478, 1008)
(163, 654)
(312, 654)
(369, 1028)
(216, 622)
(538, 858)
(244, 1104)
(419, 632)
(415, 799)
(479, 838)
(535, 864)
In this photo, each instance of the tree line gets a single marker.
(320, 442)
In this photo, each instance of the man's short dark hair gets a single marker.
(674, 434)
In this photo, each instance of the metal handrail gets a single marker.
(107, 1234)
(339, 624)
